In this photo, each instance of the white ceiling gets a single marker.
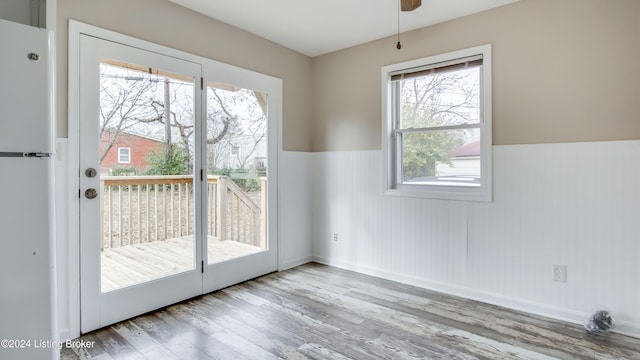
(319, 27)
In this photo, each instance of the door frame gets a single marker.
(274, 87)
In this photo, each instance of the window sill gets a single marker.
(457, 194)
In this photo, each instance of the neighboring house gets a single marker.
(465, 161)
(129, 151)
(242, 153)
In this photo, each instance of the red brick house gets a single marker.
(128, 151)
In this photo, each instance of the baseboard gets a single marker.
(552, 312)
(293, 263)
(628, 329)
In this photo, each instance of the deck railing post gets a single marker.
(263, 213)
(102, 202)
(221, 205)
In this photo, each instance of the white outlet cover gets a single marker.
(560, 273)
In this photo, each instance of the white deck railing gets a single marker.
(140, 209)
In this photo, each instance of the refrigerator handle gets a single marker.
(26, 154)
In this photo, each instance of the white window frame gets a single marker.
(120, 155)
(391, 156)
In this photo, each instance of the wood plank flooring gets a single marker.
(135, 264)
(320, 312)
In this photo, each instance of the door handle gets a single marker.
(91, 193)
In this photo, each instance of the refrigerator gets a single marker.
(27, 235)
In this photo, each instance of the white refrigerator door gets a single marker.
(26, 96)
(27, 271)
(26, 259)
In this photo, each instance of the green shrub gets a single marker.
(174, 164)
(123, 170)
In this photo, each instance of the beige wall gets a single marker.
(16, 10)
(563, 71)
(168, 24)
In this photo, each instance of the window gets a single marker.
(124, 155)
(437, 121)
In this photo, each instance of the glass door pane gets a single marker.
(237, 164)
(146, 153)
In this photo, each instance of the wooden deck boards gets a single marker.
(134, 264)
(320, 312)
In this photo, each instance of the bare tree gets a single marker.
(237, 126)
(161, 107)
(122, 102)
(148, 105)
(440, 99)
(175, 115)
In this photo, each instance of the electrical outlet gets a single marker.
(335, 237)
(560, 273)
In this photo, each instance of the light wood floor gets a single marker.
(134, 264)
(320, 312)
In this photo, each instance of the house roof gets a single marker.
(470, 149)
(130, 135)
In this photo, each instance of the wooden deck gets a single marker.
(134, 264)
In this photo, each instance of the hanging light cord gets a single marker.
(398, 45)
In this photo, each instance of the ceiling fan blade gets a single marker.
(409, 5)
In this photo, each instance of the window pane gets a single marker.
(123, 155)
(441, 157)
(148, 210)
(237, 168)
(441, 99)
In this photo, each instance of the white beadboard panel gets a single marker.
(568, 204)
(294, 208)
(572, 204)
(64, 257)
(374, 230)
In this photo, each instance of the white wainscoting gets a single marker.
(573, 204)
(294, 208)
(66, 260)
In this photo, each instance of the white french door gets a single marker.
(119, 279)
(177, 177)
(240, 109)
